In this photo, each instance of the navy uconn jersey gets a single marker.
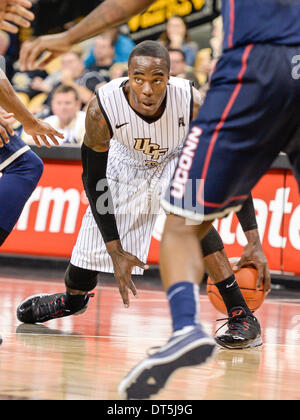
(142, 143)
(250, 113)
(261, 21)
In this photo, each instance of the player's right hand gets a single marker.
(31, 53)
(123, 263)
(39, 130)
(254, 256)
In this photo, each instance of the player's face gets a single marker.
(148, 79)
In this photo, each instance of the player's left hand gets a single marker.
(123, 263)
(253, 255)
(39, 130)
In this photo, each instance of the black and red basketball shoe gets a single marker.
(44, 307)
(243, 331)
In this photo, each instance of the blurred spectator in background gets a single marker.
(177, 37)
(118, 70)
(104, 53)
(67, 117)
(203, 65)
(23, 83)
(179, 67)
(122, 44)
(72, 73)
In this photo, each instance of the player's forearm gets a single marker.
(247, 216)
(248, 222)
(107, 14)
(253, 237)
(11, 103)
(113, 246)
(97, 190)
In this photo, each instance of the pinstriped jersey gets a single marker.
(139, 142)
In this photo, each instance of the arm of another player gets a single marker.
(34, 127)
(253, 253)
(108, 14)
(94, 162)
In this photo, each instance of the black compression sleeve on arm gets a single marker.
(94, 170)
(247, 216)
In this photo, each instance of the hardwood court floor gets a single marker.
(85, 357)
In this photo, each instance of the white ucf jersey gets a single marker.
(142, 160)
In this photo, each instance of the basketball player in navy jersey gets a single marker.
(20, 168)
(250, 114)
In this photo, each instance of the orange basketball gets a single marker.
(246, 279)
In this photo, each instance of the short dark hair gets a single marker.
(65, 89)
(150, 49)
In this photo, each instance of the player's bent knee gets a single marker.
(77, 278)
(35, 167)
(180, 225)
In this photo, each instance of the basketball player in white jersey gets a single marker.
(134, 131)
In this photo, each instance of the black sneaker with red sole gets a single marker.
(243, 331)
(43, 307)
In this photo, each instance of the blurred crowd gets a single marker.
(59, 94)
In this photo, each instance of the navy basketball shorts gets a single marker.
(250, 115)
(17, 183)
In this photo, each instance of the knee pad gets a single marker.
(211, 243)
(77, 278)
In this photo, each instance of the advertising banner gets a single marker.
(152, 22)
(51, 219)
(277, 206)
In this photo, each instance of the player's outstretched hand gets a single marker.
(5, 127)
(123, 263)
(253, 255)
(15, 14)
(31, 53)
(40, 130)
